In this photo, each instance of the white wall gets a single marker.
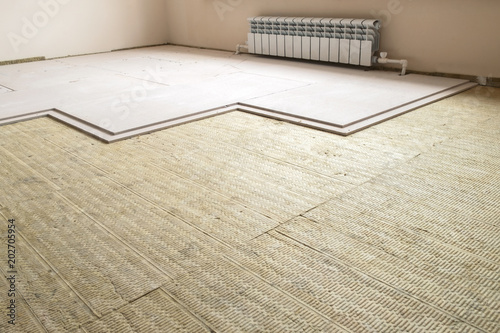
(54, 28)
(446, 36)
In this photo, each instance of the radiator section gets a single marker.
(347, 41)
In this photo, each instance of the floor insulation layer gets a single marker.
(121, 94)
(241, 223)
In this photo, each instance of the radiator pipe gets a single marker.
(384, 60)
(239, 46)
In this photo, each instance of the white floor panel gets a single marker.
(4, 89)
(43, 74)
(120, 94)
(124, 104)
(354, 98)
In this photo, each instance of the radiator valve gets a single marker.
(239, 46)
(384, 60)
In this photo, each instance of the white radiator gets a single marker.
(346, 41)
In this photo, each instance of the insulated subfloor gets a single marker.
(241, 223)
(122, 94)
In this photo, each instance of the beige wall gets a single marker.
(446, 36)
(54, 28)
